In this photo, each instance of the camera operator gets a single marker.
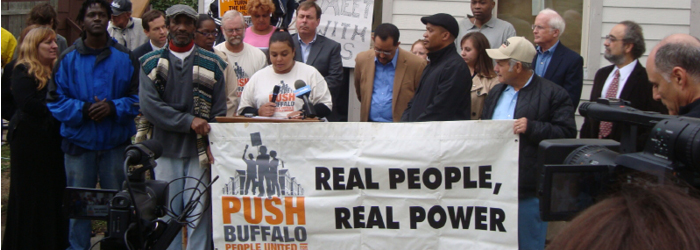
(674, 71)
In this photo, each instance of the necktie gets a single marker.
(606, 127)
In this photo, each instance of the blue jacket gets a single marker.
(80, 75)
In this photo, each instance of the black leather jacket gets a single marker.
(550, 115)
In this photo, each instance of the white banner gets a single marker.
(348, 22)
(429, 185)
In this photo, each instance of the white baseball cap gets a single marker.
(517, 48)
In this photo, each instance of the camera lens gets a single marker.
(120, 202)
(591, 155)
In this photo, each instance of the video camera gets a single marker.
(132, 213)
(576, 173)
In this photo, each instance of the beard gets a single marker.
(614, 59)
(180, 43)
(235, 40)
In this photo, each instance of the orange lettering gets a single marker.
(284, 109)
(242, 82)
(290, 210)
(248, 213)
(229, 205)
(277, 219)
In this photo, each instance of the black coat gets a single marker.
(637, 90)
(38, 175)
(691, 110)
(142, 50)
(550, 115)
(444, 92)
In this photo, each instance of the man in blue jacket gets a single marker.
(92, 93)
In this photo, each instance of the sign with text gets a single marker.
(239, 5)
(428, 185)
(348, 22)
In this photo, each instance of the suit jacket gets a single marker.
(637, 90)
(566, 70)
(409, 68)
(142, 50)
(325, 57)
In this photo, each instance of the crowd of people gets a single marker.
(168, 74)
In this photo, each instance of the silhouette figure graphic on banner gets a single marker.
(251, 171)
(263, 162)
(263, 173)
(273, 186)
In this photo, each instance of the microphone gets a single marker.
(143, 152)
(275, 92)
(303, 91)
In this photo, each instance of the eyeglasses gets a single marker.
(231, 31)
(537, 27)
(214, 33)
(386, 53)
(612, 39)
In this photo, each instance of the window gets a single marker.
(522, 13)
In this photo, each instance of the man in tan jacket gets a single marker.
(386, 77)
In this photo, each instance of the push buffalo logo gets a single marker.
(264, 187)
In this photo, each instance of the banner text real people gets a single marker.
(411, 186)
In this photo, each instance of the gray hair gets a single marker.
(634, 36)
(230, 15)
(526, 65)
(677, 54)
(555, 20)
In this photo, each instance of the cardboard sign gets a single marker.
(348, 22)
(239, 5)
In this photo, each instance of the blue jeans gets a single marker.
(532, 231)
(200, 235)
(83, 171)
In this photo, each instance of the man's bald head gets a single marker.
(673, 68)
(677, 50)
(680, 38)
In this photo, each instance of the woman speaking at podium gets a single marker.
(288, 81)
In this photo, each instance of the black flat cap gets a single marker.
(447, 21)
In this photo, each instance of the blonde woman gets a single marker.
(37, 176)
